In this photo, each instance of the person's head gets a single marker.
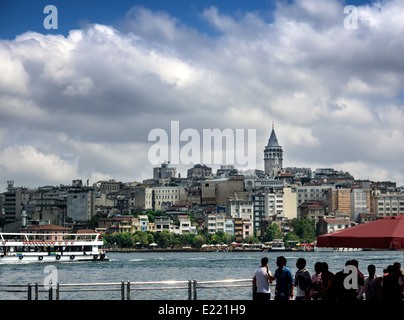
(300, 263)
(281, 261)
(318, 267)
(324, 267)
(355, 263)
(391, 269)
(397, 265)
(371, 269)
(264, 261)
(349, 263)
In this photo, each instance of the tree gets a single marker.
(304, 229)
(273, 232)
(142, 237)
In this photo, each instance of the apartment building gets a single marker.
(240, 208)
(282, 203)
(167, 196)
(216, 191)
(360, 203)
(339, 199)
(312, 193)
(390, 204)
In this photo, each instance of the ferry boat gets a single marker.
(278, 245)
(45, 247)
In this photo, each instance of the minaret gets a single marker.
(273, 156)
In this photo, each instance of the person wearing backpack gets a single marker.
(302, 280)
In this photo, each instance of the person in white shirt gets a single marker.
(261, 281)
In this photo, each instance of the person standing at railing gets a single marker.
(302, 280)
(284, 281)
(261, 281)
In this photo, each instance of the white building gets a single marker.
(282, 204)
(215, 223)
(167, 196)
(391, 204)
(239, 208)
(143, 222)
(359, 203)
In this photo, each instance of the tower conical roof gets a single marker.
(273, 140)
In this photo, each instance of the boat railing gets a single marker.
(132, 290)
(66, 237)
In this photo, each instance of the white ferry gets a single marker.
(278, 245)
(45, 247)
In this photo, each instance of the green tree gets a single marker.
(273, 232)
(304, 228)
(142, 237)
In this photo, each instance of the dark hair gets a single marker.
(281, 261)
(318, 267)
(264, 261)
(371, 268)
(301, 263)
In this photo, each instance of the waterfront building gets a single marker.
(117, 225)
(217, 222)
(389, 204)
(143, 222)
(163, 223)
(185, 225)
(229, 226)
(247, 228)
(328, 225)
(273, 156)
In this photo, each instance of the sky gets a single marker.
(80, 101)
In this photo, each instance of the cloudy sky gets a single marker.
(80, 101)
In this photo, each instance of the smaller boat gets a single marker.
(44, 247)
(278, 245)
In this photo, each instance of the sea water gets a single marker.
(177, 266)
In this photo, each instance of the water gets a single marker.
(163, 266)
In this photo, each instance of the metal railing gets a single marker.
(126, 290)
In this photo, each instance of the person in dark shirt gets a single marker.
(284, 281)
(344, 288)
(327, 278)
(392, 284)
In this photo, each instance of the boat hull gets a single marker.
(52, 258)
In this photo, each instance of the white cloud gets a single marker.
(335, 94)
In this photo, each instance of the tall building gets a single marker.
(164, 172)
(273, 156)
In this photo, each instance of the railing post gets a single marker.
(57, 291)
(128, 290)
(194, 283)
(122, 290)
(189, 290)
(29, 292)
(50, 292)
(36, 291)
